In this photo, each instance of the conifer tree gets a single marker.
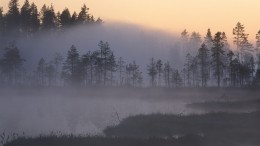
(217, 56)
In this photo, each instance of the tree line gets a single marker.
(208, 62)
(29, 20)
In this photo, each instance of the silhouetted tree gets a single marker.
(185, 42)
(239, 33)
(217, 55)
(167, 72)
(41, 71)
(105, 53)
(208, 40)
(13, 17)
(176, 78)
(50, 73)
(203, 62)
(152, 72)
(26, 17)
(74, 18)
(195, 71)
(112, 66)
(159, 68)
(48, 18)
(121, 70)
(195, 42)
(71, 71)
(235, 68)
(94, 65)
(188, 68)
(230, 56)
(34, 20)
(134, 75)
(83, 16)
(12, 64)
(65, 18)
(2, 23)
(85, 66)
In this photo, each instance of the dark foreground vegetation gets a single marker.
(214, 129)
(103, 141)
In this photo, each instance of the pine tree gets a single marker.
(258, 50)
(217, 56)
(167, 71)
(195, 42)
(185, 42)
(83, 16)
(121, 67)
(74, 18)
(176, 78)
(41, 71)
(48, 18)
(112, 66)
(34, 20)
(2, 23)
(105, 52)
(203, 62)
(13, 17)
(152, 72)
(208, 39)
(134, 75)
(26, 17)
(159, 69)
(65, 18)
(85, 66)
(188, 68)
(71, 70)
(12, 64)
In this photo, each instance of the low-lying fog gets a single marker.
(89, 110)
(43, 114)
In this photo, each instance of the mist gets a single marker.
(132, 42)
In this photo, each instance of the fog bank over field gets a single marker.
(129, 41)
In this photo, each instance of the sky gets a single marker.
(170, 15)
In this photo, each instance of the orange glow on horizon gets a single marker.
(170, 15)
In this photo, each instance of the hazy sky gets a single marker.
(171, 15)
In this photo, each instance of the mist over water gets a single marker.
(41, 114)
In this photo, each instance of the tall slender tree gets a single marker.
(2, 23)
(167, 72)
(203, 62)
(217, 56)
(26, 17)
(159, 67)
(152, 72)
(71, 70)
(34, 19)
(121, 67)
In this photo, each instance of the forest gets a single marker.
(209, 61)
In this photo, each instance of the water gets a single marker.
(77, 115)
